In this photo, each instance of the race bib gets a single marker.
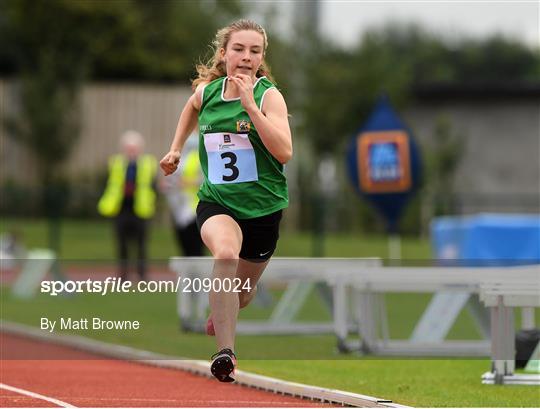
(231, 158)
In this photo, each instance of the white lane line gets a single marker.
(36, 395)
(254, 381)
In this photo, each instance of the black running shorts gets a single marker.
(260, 234)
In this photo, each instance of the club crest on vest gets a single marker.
(243, 126)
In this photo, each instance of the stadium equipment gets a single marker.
(357, 289)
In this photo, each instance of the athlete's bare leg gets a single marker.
(223, 237)
(248, 270)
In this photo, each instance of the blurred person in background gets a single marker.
(181, 189)
(12, 249)
(244, 142)
(130, 198)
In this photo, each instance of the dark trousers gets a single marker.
(131, 229)
(189, 240)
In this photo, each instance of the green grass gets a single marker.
(305, 359)
(419, 383)
(157, 315)
(94, 240)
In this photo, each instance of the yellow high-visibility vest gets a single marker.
(144, 199)
(192, 175)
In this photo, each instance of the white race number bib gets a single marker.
(231, 158)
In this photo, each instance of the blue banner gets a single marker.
(383, 162)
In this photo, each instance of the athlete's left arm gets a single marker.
(272, 123)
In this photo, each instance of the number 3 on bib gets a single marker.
(231, 158)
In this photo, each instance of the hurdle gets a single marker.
(300, 276)
(502, 297)
(357, 286)
(432, 280)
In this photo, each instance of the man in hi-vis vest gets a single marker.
(130, 198)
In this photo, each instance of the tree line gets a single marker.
(53, 47)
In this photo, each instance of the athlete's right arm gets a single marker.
(186, 124)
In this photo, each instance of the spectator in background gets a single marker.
(181, 190)
(130, 199)
(12, 250)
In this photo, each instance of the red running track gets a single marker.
(85, 380)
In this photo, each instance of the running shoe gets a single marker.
(223, 365)
(210, 330)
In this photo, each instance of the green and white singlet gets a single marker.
(239, 172)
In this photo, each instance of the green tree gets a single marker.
(51, 43)
(343, 84)
(54, 46)
(395, 59)
(496, 59)
(168, 37)
(441, 156)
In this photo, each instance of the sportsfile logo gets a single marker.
(112, 285)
